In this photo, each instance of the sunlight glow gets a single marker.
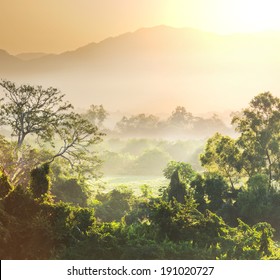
(225, 16)
(251, 16)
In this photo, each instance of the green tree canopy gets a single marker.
(186, 171)
(259, 125)
(221, 155)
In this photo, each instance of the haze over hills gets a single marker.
(155, 69)
(30, 56)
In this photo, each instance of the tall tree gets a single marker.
(259, 125)
(31, 110)
(185, 169)
(180, 117)
(75, 139)
(222, 156)
(177, 189)
(96, 114)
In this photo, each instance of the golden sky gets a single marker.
(60, 25)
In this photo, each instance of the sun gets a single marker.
(224, 16)
(254, 15)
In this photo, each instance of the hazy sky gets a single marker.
(59, 25)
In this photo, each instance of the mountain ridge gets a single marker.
(158, 67)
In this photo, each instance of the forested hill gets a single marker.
(144, 67)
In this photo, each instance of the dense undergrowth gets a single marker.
(122, 226)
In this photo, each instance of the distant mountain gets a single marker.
(30, 56)
(156, 69)
(8, 61)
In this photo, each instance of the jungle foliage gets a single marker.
(230, 210)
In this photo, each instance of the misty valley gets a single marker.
(94, 185)
(162, 143)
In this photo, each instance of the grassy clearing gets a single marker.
(134, 183)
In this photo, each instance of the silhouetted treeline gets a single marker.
(181, 124)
